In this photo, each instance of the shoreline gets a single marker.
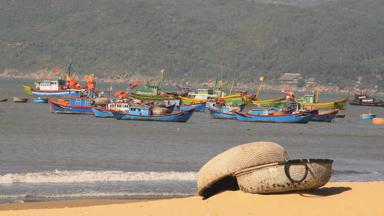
(335, 198)
(44, 74)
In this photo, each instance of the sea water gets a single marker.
(45, 156)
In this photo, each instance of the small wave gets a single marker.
(353, 172)
(94, 176)
(94, 194)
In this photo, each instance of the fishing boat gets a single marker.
(325, 116)
(48, 88)
(277, 117)
(40, 100)
(199, 107)
(337, 104)
(202, 95)
(145, 113)
(20, 99)
(365, 100)
(226, 112)
(366, 116)
(72, 106)
(274, 102)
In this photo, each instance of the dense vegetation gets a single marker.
(332, 41)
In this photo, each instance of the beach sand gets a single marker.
(335, 198)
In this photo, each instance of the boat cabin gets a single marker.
(80, 102)
(150, 90)
(138, 110)
(205, 94)
(259, 111)
(50, 85)
(118, 106)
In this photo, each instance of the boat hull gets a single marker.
(39, 100)
(181, 116)
(288, 118)
(102, 113)
(325, 117)
(197, 107)
(338, 104)
(60, 109)
(216, 114)
(275, 102)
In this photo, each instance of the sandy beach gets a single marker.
(335, 198)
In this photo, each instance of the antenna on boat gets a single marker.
(261, 79)
(69, 68)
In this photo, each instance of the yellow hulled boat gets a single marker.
(341, 104)
(269, 102)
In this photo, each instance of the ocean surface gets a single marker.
(45, 156)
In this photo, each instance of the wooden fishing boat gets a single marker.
(20, 100)
(72, 106)
(3, 99)
(226, 112)
(200, 107)
(365, 100)
(40, 100)
(339, 104)
(274, 102)
(301, 117)
(187, 100)
(143, 113)
(325, 116)
(150, 97)
(48, 88)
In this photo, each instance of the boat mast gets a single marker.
(261, 79)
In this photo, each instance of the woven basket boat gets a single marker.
(218, 173)
(292, 175)
(261, 167)
(20, 100)
(3, 99)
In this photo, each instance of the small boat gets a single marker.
(339, 104)
(366, 116)
(145, 113)
(325, 116)
(72, 106)
(365, 100)
(226, 112)
(378, 121)
(277, 117)
(40, 100)
(199, 107)
(3, 99)
(274, 102)
(48, 88)
(20, 100)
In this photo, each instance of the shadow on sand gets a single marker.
(325, 191)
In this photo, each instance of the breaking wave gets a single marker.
(94, 176)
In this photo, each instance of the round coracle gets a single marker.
(286, 176)
(235, 159)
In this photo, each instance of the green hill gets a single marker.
(334, 42)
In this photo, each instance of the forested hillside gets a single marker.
(332, 41)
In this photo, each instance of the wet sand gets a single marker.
(335, 198)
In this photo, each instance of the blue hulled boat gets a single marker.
(226, 112)
(146, 114)
(200, 107)
(40, 100)
(301, 117)
(72, 106)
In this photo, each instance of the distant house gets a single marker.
(290, 78)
